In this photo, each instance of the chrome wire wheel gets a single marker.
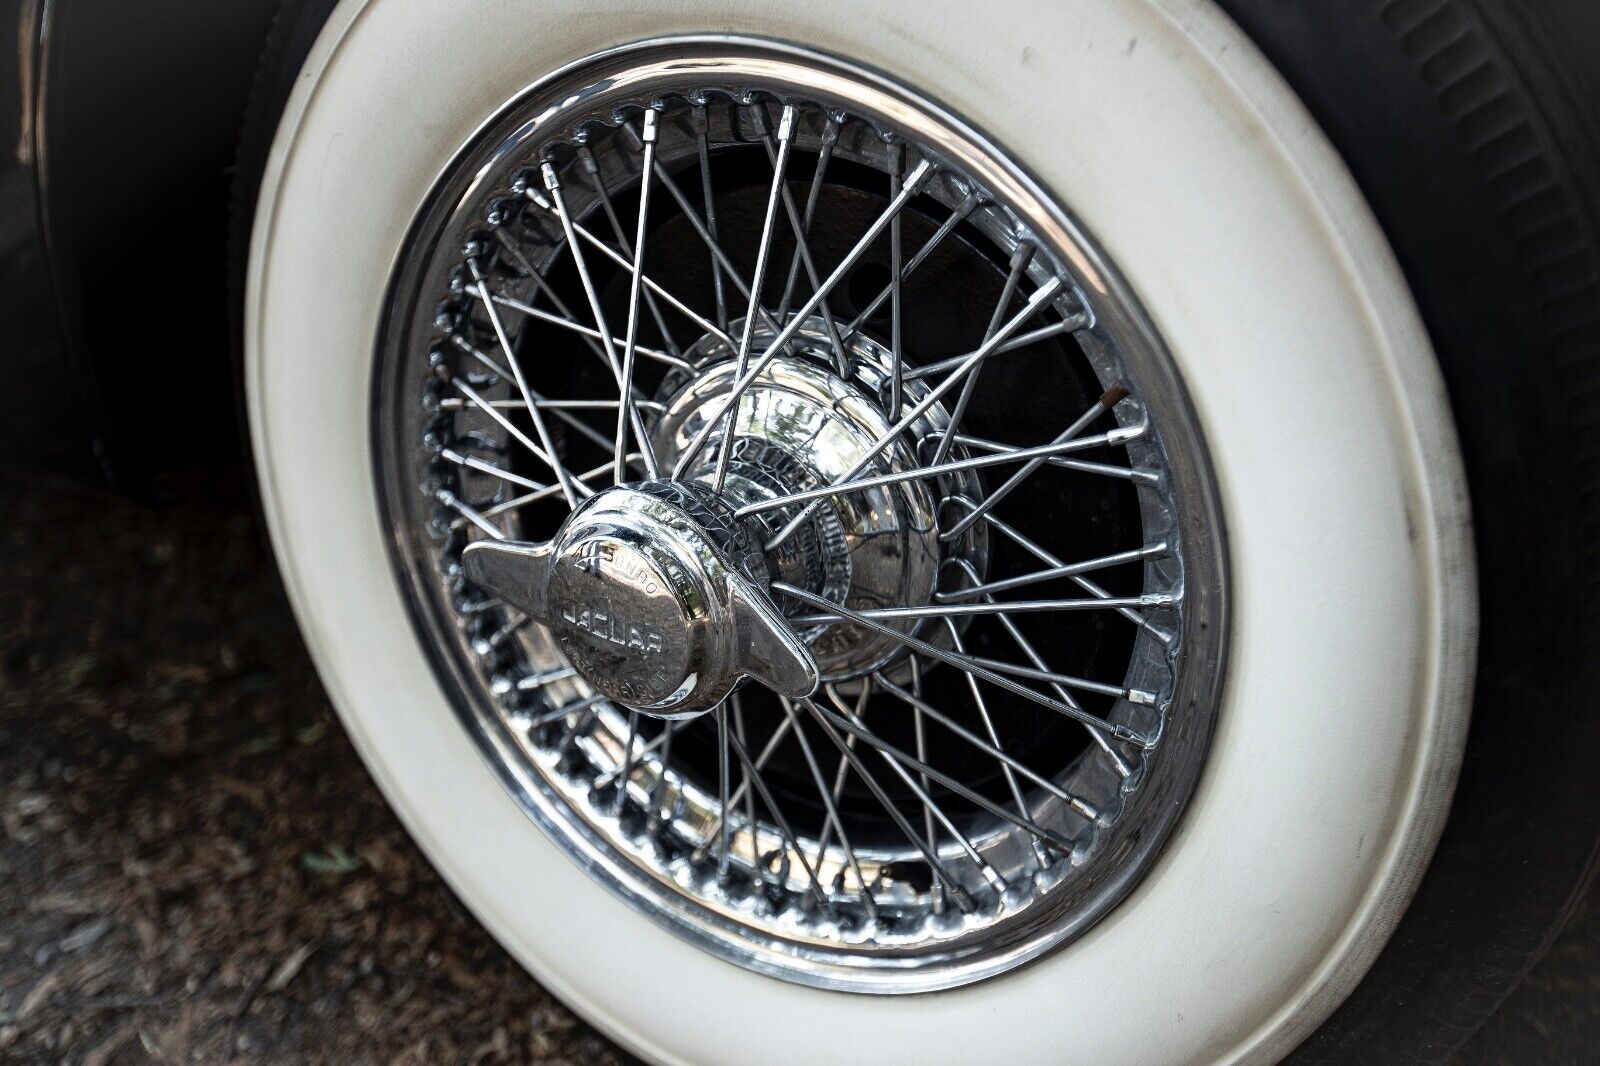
(709, 301)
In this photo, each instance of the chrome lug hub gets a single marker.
(654, 594)
(802, 424)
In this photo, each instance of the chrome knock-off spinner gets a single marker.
(654, 594)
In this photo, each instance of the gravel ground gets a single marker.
(194, 867)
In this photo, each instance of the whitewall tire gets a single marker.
(1351, 645)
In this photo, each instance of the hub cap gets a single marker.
(806, 522)
(654, 595)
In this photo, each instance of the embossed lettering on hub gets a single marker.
(607, 627)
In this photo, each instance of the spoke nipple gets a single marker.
(786, 123)
(650, 118)
(502, 211)
(552, 180)
(1125, 433)
(1047, 291)
(1113, 396)
(919, 174)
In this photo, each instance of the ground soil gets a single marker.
(194, 867)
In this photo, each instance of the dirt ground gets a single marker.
(194, 867)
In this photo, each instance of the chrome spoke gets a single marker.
(1026, 647)
(963, 610)
(552, 184)
(833, 814)
(976, 691)
(593, 170)
(626, 773)
(472, 463)
(913, 182)
(723, 264)
(1108, 400)
(830, 137)
(703, 155)
(956, 217)
(649, 283)
(1132, 695)
(1007, 762)
(522, 384)
(451, 403)
(802, 254)
(563, 314)
(1054, 573)
(626, 412)
(897, 366)
(1022, 340)
(470, 513)
(559, 409)
(1040, 297)
(763, 252)
(1082, 582)
(920, 473)
(963, 899)
(741, 793)
(1008, 292)
(842, 768)
(824, 900)
(722, 788)
(547, 491)
(577, 327)
(1140, 474)
(745, 784)
(550, 717)
(570, 486)
(903, 761)
(960, 662)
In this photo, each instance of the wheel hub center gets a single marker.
(654, 592)
(804, 423)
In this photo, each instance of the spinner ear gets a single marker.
(768, 649)
(515, 571)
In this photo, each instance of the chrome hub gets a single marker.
(801, 425)
(655, 594)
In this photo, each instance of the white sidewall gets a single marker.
(1163, 130)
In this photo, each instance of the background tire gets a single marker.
(1474, 136)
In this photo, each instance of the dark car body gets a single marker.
(119, 125)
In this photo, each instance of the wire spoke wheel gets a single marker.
(955, 671)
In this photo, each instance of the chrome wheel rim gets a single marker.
(904, 828)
